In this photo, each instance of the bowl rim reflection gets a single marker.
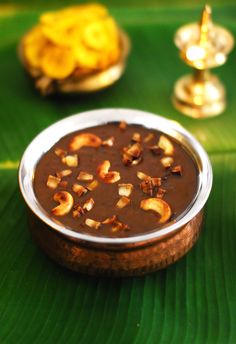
(49, 136)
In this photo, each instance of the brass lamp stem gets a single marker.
(200, 74)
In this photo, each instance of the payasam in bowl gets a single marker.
(115, 191)
(76, 49)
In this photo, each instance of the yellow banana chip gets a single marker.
(100, 34)
(84, 12)
(86, 58)
(33, 44)
(95, 36)
(78, 39)
(65, 33)
(64, 27)
(57, 62)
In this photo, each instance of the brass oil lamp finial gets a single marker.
(202, 46)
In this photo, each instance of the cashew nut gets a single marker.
(157, 205)
(105, 175)
(85, 139)
(65, 201)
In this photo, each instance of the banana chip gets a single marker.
(64, 27)
(77, 41)
(57, 62)
(86, 58)
(95, 36)
(33, 46)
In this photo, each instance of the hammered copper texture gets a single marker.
(122, 261)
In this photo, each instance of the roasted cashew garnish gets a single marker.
(66, 203)
(106, 175)
(85, 139)
(157, 205)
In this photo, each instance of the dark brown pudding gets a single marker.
(116, 180)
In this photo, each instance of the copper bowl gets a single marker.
(135, 255)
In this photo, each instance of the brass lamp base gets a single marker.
(199, 96)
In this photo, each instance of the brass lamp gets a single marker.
(202, 46)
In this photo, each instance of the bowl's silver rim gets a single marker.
(39, 145)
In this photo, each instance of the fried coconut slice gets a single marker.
(106, 175)
(53, 182)
(109, 142)
(165, 144)
(160, 193)
(89, 204)
(148, 183)
(65, 201)
(125, 189)
(109, 220)
(159, 206)
(85, 176)
(118, 225)
(92, 223)
(177, 170)
(60, 152)
(142, 175)
(132, 154)
(84, 140)
(63, 184)
(136, 137)
(79, 189)
(123, 125)
(123, 202)
(63, 173)
(148, 138)
(167, 161)
(93, 185)
(70, 160)
(78, 211)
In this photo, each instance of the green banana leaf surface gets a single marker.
(194, 300)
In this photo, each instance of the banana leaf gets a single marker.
(191, 301)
